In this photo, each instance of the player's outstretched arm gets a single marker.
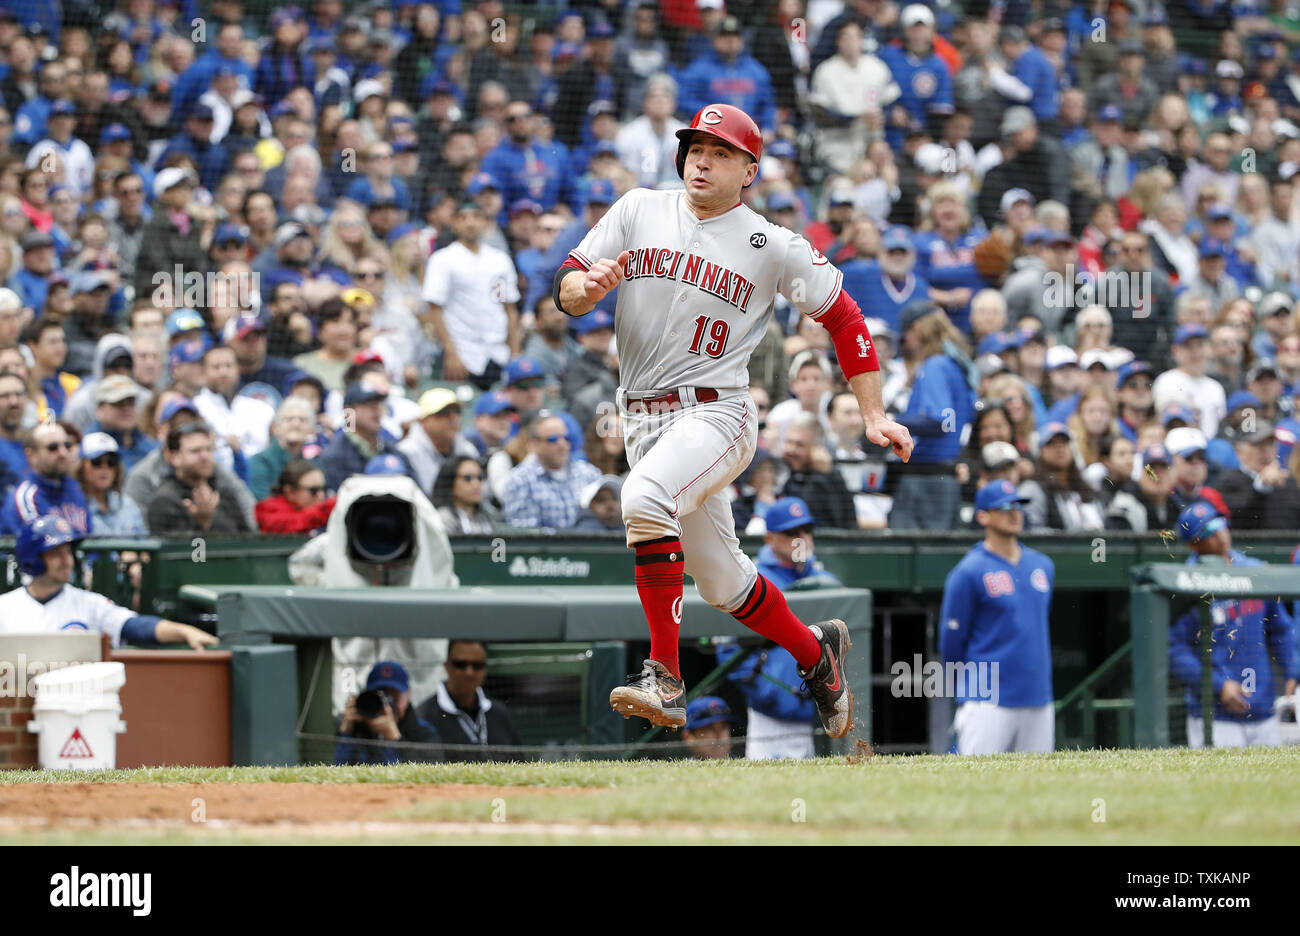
(580, 290)
(175, 632)
(881, 430)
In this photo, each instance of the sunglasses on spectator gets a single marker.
(1139, 384)
(469, 477)
(531, 384)
(475, 665)
(371, 274)
(109, 459)
(55, 446)
(518, 116)
(315, 490)
(552, 439)
(133, 190)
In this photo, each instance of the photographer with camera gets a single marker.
(384, 713)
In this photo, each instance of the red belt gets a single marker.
(702, 395)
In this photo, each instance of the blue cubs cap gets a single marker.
(480, 182)
(1217, 212)
(401, 231)
(1200, 520)
(386, 465)
(789, 513)
(999, 495)
(114, 132)
(780, 201)
(1131, 370)
(64, 108)
(1213, 247)
(436, 85)
(489, 404)
(359, 392)
(1242, 398)
(1155, 18)
(782, 149)
(1186, 333)
(1109, 113)
(183, 320)
(96, 444)
(1156, 455)
(999, 342)
(187, 352)
(388, 674)
(897, 238)
(1177, 411)
(521, 368)
(706, 710)
(1050, 430)
(1035, 235)
(599, 192)
(524, 206)
(172, 407)
(601, 30)
(200, 112)
(230, 232)
(283, 109)
(593, 320)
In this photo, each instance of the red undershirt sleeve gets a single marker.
(848, 329)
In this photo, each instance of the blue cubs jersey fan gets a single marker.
(996, 612)
(951, 265)
(925, 83)
(872, 289)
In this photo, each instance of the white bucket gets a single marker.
(78, 716)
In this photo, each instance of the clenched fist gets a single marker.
(604, 277)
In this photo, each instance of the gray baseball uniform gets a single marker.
(695, 302)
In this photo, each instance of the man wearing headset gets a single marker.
(49, 602)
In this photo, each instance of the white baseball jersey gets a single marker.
(698, 294)
(473, 289)
(72, 609)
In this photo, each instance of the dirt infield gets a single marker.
(251, 803)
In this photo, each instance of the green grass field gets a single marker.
(1089, 797)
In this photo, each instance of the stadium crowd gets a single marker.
(252, 250)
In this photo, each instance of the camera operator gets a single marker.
(383, 713)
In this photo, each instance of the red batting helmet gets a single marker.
(725, 122)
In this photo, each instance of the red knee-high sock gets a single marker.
(765, 612)
(659, 576)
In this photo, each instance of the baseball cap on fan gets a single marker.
(999, 495)
(915, 13)
(705, 711)
(789, 513)
(1011, 197)
(1200, 520)
(998, 455)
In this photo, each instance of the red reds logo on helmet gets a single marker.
(711, 116)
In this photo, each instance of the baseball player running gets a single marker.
(48, 603)
(697, 273)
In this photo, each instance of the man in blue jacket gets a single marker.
(993, 634)
(781, 713)
(48, 487)
(1245, 633)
